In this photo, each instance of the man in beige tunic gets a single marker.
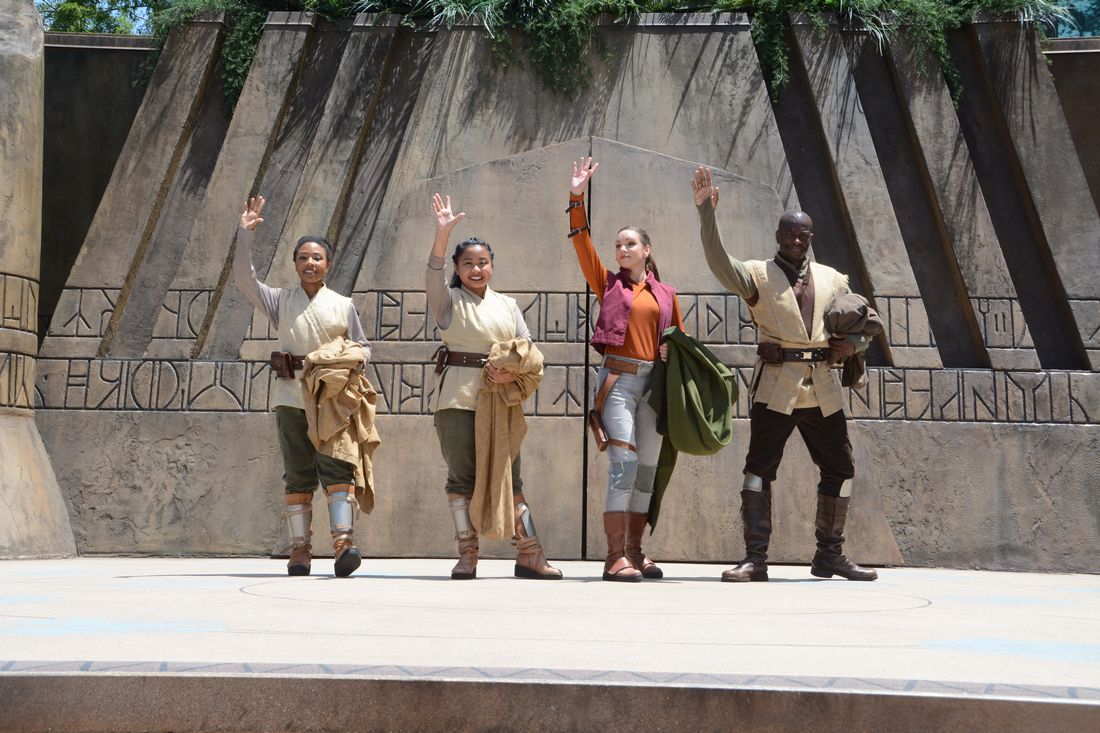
(792, 386)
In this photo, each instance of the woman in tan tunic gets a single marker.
(305, 317)
(473, 318)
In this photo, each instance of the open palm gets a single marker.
(583, 171)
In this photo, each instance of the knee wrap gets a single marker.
(753, 482)
(525, 519)
(341, 513)
(299, 517)
(460, 514)
(846, 488)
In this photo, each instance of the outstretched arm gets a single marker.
(591, 267)
(729, 271)
(244, 274)
(435, 281)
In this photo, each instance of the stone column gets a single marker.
(33, 519)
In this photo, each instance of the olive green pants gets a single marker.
(303, 466)
(455, 429)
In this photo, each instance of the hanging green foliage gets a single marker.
(558, 37)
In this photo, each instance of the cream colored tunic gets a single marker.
(306, 325)
(790, 385)
(476, 324)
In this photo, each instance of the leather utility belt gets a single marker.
(615, 367)
(775, 354)
(444, 357)
(283, 363)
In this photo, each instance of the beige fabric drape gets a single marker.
(340, 406)
(499, 429)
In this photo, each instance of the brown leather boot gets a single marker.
(466, 567)
(530, 560)
(341, 517)
(466, 535)
(616, 567)
(299, 517)
(832, 513)
(756, 519)
(635, 528)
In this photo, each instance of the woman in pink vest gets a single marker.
(635, 307)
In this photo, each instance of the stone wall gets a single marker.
(976, 436)
(33, 520)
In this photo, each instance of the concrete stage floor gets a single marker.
(923, 634)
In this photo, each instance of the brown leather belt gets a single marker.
(444, 357)
(620, 366)
(284, 364)
(772, 353)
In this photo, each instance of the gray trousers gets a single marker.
(627, 417)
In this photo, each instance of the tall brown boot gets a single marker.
(530, 560)
(756, 518)
(299, 517)
(616, 567)
(832, 513)
(468, 548)
(635, 528)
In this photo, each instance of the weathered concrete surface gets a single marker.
(1051, 168)
(82, 140)
(258, 120)
(858, 175)
(169, 644)
(33, 522)
(969, 294)
(1075, 67)
(132, 204)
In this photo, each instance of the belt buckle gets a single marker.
(806, 355)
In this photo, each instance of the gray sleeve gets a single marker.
(522, 332)
(731, 272)
(439, 295)
(258, 294)
(355, 331)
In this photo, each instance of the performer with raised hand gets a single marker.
(485, 370)
(635, 308)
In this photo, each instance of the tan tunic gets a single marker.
(305, 325)
(790, 385)
(476, 324)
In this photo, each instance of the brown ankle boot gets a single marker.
(756, 519)
(635, 528)
(530, 560)
(832, 513)
(466, 567)
(299, 517)
(617, 567)
(466, 535)
(341, 517)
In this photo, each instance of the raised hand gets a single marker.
(702, 185)
(250, 214)
(583, 171)
(445, 219)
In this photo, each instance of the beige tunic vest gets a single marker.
(784, 387)
(476, 324)
(304, 325)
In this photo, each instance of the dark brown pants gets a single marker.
(826, 438)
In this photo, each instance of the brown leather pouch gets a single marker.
(596, 426)
(440, 357)
(770, 352)
(282, 363)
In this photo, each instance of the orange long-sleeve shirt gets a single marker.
(642, 339)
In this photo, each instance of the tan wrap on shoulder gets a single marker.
(499, 429)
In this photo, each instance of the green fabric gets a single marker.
(693, 394)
